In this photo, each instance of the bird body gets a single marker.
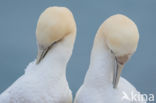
(97, 86)
(45, 81)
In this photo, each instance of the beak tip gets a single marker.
(37, 62)
(116, 76)
(41, 55)
(114, 86)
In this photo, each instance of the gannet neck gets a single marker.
(54, 63)
(101, 66)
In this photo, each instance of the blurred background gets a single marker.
(18, 47)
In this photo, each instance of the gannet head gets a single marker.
(53, 25)
(121, 36)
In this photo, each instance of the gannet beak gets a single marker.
(120, 61)
(117, 72)
(41, 54)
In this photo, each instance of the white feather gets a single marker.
(97, 86)
(45, 82)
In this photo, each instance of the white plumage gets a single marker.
(111, 43)
(45, 82)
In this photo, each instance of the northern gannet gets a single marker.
(44, 80)
(115, 42)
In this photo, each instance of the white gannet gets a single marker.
(115, 42)
(44, 80)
